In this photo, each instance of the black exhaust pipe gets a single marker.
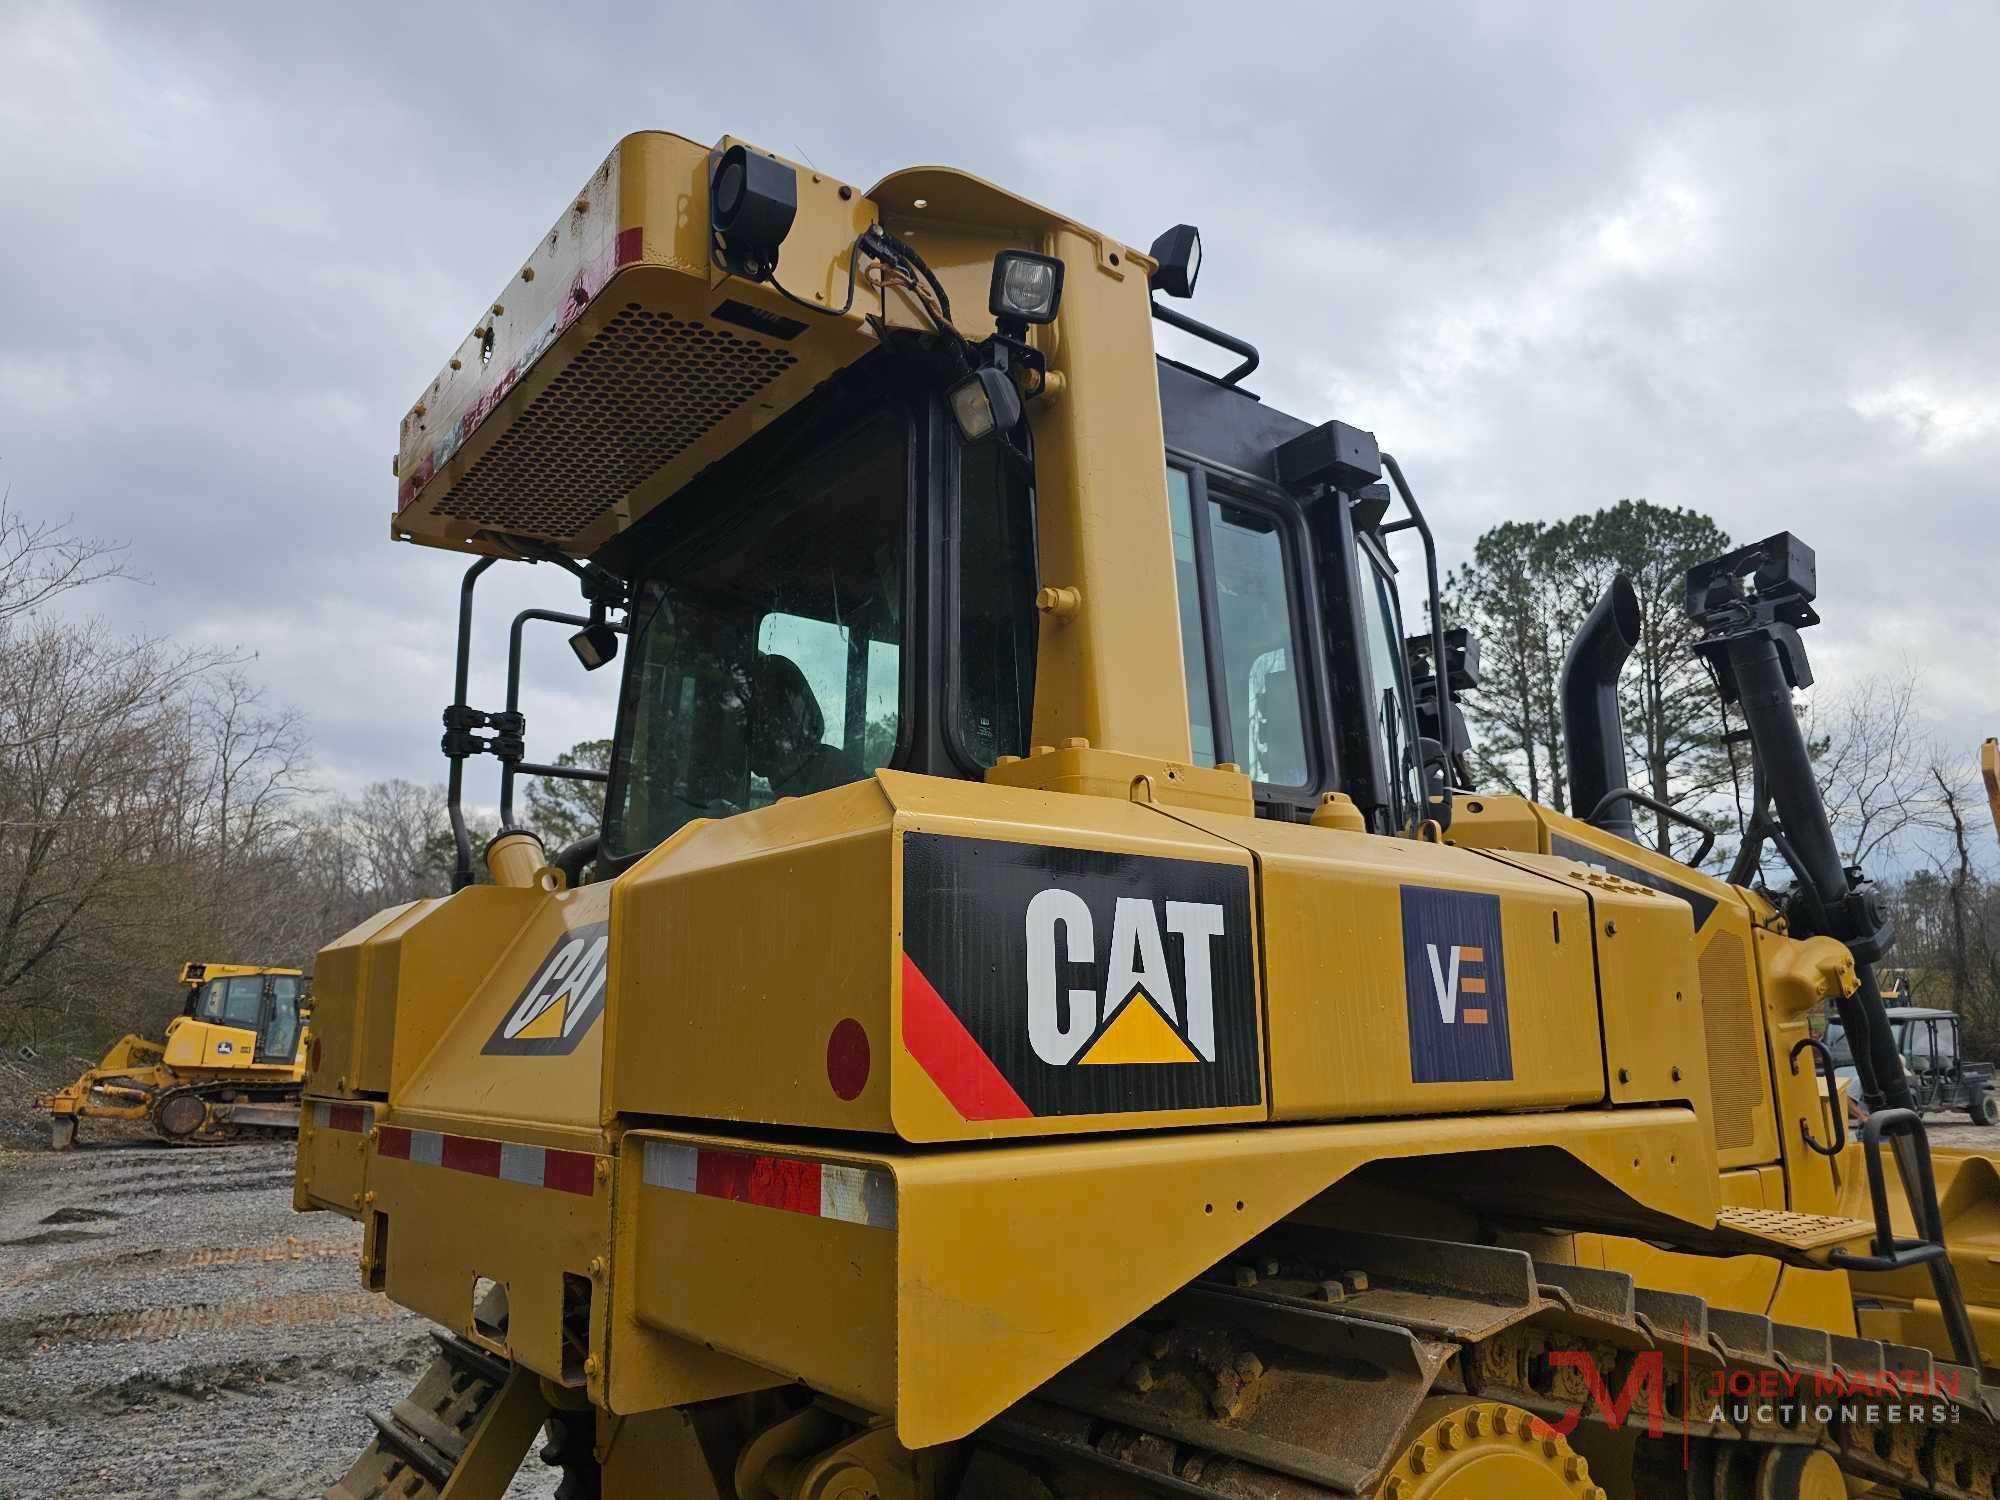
(1593, 732)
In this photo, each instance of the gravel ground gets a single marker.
(170, 1328)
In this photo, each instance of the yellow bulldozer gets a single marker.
(1046, 1013)
(233, 1060)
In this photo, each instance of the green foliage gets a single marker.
(1525, 593)
(561, 812)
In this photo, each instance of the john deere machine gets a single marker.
(234, 1059)
(1044, 1014)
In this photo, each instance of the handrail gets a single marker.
(1201, 330)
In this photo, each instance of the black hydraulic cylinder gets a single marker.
(1593, 731)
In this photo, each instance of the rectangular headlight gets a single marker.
(1026, 287)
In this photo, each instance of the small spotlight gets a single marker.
(594, 645)
(1026, 288)
(983, 403)
(752, 200)
(1179, 253)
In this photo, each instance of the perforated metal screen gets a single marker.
(635, 397)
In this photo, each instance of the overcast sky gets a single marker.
(1741, 258)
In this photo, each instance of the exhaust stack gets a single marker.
(1593, 734)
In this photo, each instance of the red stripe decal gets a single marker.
(345, 1117)
(631, 244)
(770, 1181)
(943, 1048)
(568, 1171)
(466, 1153)
(394, 1141)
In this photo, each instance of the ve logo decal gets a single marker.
(1455, 987)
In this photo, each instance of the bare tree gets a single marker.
(1873, 759)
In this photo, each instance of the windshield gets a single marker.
(766, 652)
(1390, 712)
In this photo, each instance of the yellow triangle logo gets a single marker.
(548, 1022)
(1139, 1034)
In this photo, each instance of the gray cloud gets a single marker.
(1732, 258)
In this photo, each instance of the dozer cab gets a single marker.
(1046, 1013)
(233, 1060)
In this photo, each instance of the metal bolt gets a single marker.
(1575, 1470)
(1269, 1265)
(456, 365)
(369, 1196)
(498, 310)
(596, 1268)
(1139, 1377)
(527, 273)
(1244, 1276)
(1076, 742)
(1357, 1281)
(1330, 1291)
(1248, 1365)
(603, 1169)
(591, 1365)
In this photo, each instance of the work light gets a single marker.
(594, 645)
(752, 200)
(1178, 252)
(1026, 288)
(983, 403)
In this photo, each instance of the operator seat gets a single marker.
(786, 729)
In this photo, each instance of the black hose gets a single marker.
(572, 858)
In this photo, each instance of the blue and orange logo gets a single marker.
(1455, 987)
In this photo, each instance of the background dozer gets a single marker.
(233, 1059)
(1044, 1014)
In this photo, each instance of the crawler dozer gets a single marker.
(1045, 1013)
(233, 1060)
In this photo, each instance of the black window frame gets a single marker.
(1210, 482)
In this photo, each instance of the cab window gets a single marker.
(1237, 593)
(767, 646)
(1391, 714)
(232, 1002)
(997, 624)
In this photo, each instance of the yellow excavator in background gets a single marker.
(1046, 1013)
(233, 1059)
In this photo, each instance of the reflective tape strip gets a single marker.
(824, 1190)
(330, 1116)
(531, 1166)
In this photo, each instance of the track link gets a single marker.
(1224, 1389)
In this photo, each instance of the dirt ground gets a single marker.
(171, 1329)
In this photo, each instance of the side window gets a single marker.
(209, 1007)
(1246, 694)
(245, 1002)
(997, 623)
(1259, 657)
(1391, 713)
(1187, 584)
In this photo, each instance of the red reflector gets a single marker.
(568, 1171)
(847, 1059)
(466, 1153)
(346, 1117)
(774, 1182)
(393, 1141)
(631, 244)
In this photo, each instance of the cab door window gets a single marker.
(1239, 635)
(1391, 714)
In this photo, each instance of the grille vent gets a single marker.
(637, 396)
(1734, 1079)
